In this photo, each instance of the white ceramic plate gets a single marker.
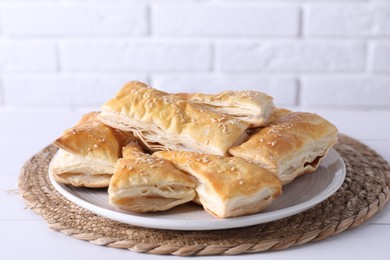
(303, 193)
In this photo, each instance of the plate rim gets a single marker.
(208, 224)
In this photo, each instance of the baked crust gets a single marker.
(78, 171)
(227, 186)
(165, 122)
(277, 114)
(252, 107)
(144, 183)
(290, 146)
(88, 153)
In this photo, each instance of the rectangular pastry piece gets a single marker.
(144, 183)
(290, 146)
(252, 107)
(227, 186)
(88, 153)
(165, 122)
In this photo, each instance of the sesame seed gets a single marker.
(95, 146)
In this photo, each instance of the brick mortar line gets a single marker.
(120, 73)
(189, 38)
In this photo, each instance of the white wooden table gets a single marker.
(25, 235)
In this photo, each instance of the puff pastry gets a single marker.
(252, 107)
(277, 114)
(165, 122)
(227, 186)
(290, 146)
(88, 153)
(144, 183)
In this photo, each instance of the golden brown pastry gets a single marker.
(227, 186)
(278, 113)
(290, 146)
(252, 107)
(88, 153)
(144, 183)
(165, 122)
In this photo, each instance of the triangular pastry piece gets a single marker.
(252, 107)
(144, 183)
(165, 122)
(290, 146)
(88, 153)
(227, 186)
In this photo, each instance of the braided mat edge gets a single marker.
(364, 192)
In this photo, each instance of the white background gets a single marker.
(305, 53)
(60, 59)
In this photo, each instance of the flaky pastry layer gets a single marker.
(164, 121)
(290, 146)
(252, 107)
(227, 186)
(78, 171)
(144, 183)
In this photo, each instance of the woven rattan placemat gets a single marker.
(364, 192)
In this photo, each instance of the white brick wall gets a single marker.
(360, 19)
(353, 91)
(62, 90)
(291, 56)
(77, 53)
(231, 19)
(133, 55)
(381, 56)
(27, 56)
(83, 19)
